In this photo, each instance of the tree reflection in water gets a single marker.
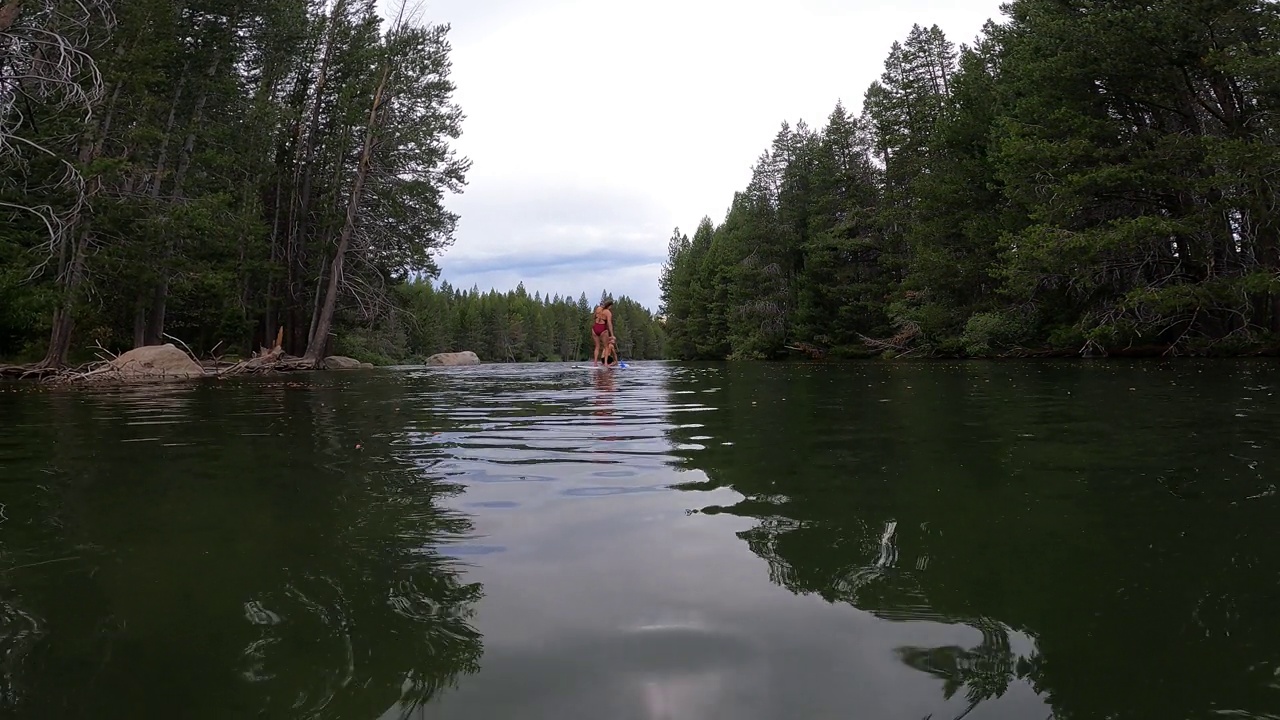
(983, 672)
(997, 497)
(267, 549)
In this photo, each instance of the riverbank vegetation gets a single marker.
(221, 171)
(230, 175)
(1085, 177)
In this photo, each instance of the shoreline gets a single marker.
(169, 363)
(78, 376)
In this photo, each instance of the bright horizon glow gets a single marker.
(594, 129)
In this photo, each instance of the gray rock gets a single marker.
(156, 361)
(339, 362)
(465, 357)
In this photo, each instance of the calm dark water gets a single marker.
(879, 540)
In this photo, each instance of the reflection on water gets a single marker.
(875, 540)
(225, 552)
(1030, 504)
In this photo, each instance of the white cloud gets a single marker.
(596, 127)
(632, 280)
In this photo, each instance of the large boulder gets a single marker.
(339, 362)
(156, 361)
(465, 357)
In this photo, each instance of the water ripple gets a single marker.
(476, 423)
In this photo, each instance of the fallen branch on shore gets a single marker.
(813, 351)
(169, 362)
(117, 371)
(901, 343)
(266, 361)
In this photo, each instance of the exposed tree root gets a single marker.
(26, 372)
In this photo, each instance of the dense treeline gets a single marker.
(216, 170)
(504, 327)
(1089, 176)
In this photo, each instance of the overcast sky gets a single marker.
(596, 127)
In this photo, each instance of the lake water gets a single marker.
(876, 540)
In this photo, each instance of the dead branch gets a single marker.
(813, 351)
(186, 347)
(266, 361)
(46, 59)
(50, 63)
(274, 361)
(103, 351)
(900, 342)
(108, 369)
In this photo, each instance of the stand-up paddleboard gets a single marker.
(600, 367)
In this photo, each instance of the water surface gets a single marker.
(876, 540)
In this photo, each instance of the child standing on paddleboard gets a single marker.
(610, 356)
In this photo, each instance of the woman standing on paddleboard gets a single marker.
(602, 318)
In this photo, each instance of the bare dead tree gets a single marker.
(44, 49)
(45, 62)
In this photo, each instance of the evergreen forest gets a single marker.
(1086, 177)
(502, 327)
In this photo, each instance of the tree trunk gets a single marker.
(73, 246)
(159, 299)
(72, 251)
(320, 337)
(64, 315)
(60, 341)
(324, 322)
(140, 322)
(300, 209)
(315, 306)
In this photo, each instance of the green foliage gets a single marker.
(21, 309)
(1085, 177)
(986, 333)
(204, 195)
